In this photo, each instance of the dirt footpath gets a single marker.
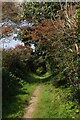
(29, 110)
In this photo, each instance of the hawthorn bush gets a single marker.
(16, 64)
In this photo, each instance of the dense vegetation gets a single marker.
(54, 102)
(56, 36)
(59, 35)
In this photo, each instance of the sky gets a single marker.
(9, 42)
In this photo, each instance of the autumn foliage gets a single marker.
(54, 40)
(6, 30)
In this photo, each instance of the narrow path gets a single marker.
(29, 110)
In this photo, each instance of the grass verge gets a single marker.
(14, 107)
(54, 104)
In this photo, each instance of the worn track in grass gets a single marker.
(29, 110)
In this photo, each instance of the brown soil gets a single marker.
(29, 110)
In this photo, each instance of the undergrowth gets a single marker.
(56, 104)
(14, 106)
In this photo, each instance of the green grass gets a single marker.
(54, 104)
(46, 75)
(14, 107)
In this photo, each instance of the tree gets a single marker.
(40, 11)
(55, 39)
(11, 10)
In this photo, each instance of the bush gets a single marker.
(15, 67)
